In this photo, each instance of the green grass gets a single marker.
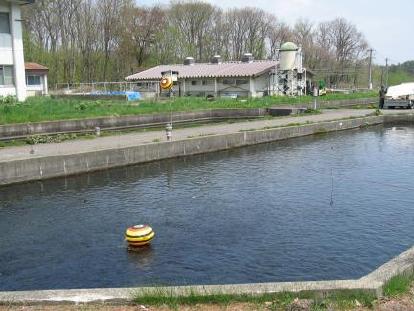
(13, 143)
(164, 298)
(341, 301)
(398, 285)
(399, 76)
(39, 109)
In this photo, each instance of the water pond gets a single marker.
(332, 206)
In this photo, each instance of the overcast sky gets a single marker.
(387, 25)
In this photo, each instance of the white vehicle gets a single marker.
(400, 96)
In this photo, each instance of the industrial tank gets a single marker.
(288, 52)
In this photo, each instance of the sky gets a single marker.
(387, 25)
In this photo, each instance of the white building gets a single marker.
(12, 69)
(36, 79)
(244, 78)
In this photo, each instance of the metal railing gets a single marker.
(105, 87)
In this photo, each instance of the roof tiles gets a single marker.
(34, 66)
(208, 70)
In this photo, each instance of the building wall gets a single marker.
(36, 90)
(6, 45)
(11, 51)
(260, 86)
(221, 87)
(7, 91)
(6, 52)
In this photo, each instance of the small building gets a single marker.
(12, 71)
(244, 78)
(36, 79)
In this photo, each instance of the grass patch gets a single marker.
(13, 143)
(351, 299)
(398, 285)
(280, 301)
(163, 297)
(364, 107)
(37, 109)
(201, 135)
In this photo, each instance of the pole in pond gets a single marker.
(332, 188)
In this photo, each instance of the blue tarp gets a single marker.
(131, 95)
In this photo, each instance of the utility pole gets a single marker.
(386, 72)
(370, 69)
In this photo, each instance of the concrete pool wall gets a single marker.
(372, 283)
(44, 167)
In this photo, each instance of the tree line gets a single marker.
(106, 40)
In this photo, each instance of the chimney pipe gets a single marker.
(247, 58)
(189, 61)
(216, 59)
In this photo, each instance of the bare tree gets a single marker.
(89, 40)
(141, 26)
(278, 34)
(109, 17)
(194, 21)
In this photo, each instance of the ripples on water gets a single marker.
(256, 214)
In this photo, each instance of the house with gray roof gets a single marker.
(244, 78)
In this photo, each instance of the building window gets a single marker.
(6, 75)
(194, 82)
(33, 80)
(229, 81)
(241, 82)
(207, 82)
(4, 22)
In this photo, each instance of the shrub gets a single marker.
(8, 100)
(45, 139)
(80, 107)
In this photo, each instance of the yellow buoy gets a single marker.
(166, 83)
(139, 235)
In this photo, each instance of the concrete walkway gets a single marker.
(141, 138)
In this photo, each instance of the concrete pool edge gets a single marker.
(33, 168)
(372, 283)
